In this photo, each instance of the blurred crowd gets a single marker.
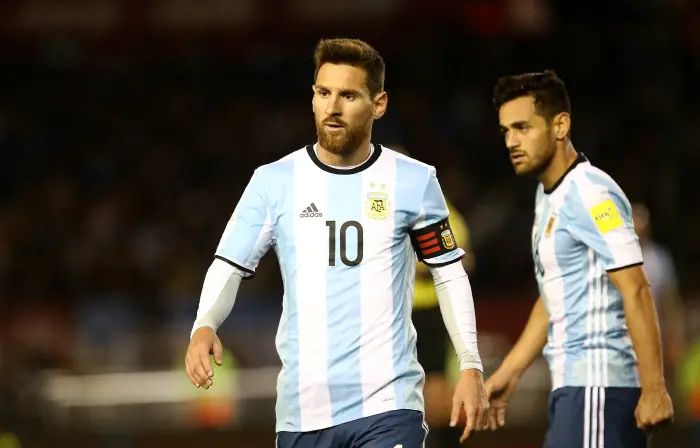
(118, 173)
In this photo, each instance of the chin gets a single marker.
(522, 170)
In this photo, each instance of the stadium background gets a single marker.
(128, 129)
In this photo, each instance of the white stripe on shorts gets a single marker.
(594, 418)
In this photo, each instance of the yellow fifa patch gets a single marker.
(606, 216)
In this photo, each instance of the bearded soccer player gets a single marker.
(595, 318)
(347, 219)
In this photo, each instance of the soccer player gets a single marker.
(346, 217)
(595, 317)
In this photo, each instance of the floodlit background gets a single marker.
(129, 128)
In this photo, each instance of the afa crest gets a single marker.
(550, 226)
(377, 205)
(448, 240)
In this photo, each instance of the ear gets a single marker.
(381, 100)
(562, 125)
(313, 89)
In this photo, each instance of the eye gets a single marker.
(349, 96)
(323, 92)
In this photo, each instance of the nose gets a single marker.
(333, 106)
(512, 140)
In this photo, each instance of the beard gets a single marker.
(345, 140)
(536, 164)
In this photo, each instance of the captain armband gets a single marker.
(434, 240)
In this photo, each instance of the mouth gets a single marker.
(517, 158)
(333, 125)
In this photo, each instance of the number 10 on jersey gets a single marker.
(343, 243)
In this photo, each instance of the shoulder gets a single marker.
(592, 194)
(406, 163)
(592, 187)
(281, 166)
(591, 182)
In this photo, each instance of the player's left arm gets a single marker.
(642, 322)
(436, 246)
(603, 221)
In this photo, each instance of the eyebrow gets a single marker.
(342, 92)
(515, 124)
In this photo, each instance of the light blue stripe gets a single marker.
(408, 372)
(574, 279)
(281, 209)
(249, 216)
(343, 306)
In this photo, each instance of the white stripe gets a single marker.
(589, 319)
(587, 419)
(310, 185)
(553, 291)
(594, 417)
(601, 416)
(376, 296)
(425, 438)
(598, 321)
(606, 300)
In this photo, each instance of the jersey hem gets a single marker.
(250, 273)
(609, 386)
(279, 429)
(640, 263)
(444, 263)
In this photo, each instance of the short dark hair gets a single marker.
(352, 52)
(546, 88)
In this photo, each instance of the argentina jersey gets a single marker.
(347, 242)
(582, 230)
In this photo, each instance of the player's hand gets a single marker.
(499, 389)
(470, 395)
(653, 409)
(198, 366)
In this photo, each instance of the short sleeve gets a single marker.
(431, 233)
(602, 220)
(248, 234)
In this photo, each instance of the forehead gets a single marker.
(341, 76)
(519, 109)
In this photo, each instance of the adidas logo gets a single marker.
(310, 212)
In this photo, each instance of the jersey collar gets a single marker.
(580, 158)
(359, 168)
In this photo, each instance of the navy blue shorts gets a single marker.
(594, 417)
(402, 429)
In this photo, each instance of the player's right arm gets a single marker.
(247, 237)
(501, 385)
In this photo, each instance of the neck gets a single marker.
(351, 157)
(563, 158)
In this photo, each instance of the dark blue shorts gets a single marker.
(402, 428)
(594, 417)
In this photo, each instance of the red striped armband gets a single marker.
(434, 240)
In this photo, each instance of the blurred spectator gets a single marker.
(658, 264)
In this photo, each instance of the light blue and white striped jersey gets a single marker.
(583, 229)
(346, 240)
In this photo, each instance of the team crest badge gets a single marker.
(448, 240)
(550, 226)
(377, 205)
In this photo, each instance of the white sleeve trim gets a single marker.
(218, 295)
(457, 307)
